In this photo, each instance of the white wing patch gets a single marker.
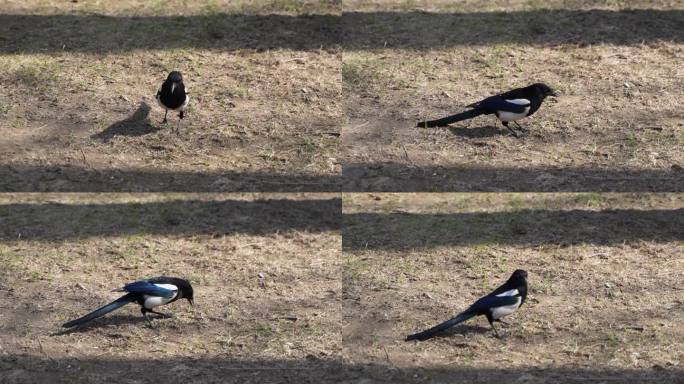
(519, 101)
(512, 292)
(155, 301)
(170, 287)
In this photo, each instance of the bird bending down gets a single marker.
(148, 294)
(173, 96)
(508, 107)
(502, 302)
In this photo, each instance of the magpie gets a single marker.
(172, 95)
(148, 294)
(508, 107)
(502, 302)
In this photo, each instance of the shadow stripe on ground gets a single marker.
(56, 221)
(395, 231)
(350, 30)
(395, 177)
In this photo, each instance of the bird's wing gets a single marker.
(498, 103)
(491, 301)
(147, 288)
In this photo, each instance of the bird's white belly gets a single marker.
(506, 310)
(155, 301)
(510, 116)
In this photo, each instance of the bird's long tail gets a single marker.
(427, 334)
(443, 122)
(118, 303)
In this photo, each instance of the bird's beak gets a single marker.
(553, 93)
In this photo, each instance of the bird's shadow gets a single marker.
(113, 320)
(463, 330)
(136, 124)
(479, 132)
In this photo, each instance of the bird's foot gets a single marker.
(164, 315)
(521, 128)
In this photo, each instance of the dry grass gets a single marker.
(606, 302)
(79, 110)
(618, 117)
(288, 96)
(265, 270)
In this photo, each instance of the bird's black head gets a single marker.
(175, 77)
(544, 90)
(519, 275)
(185, 290)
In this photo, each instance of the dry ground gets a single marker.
(265, 270)
(77, 111)
(617, 126)
(605, 272)
(288, 96)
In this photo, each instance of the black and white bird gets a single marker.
(173, 96)
(508, 107)
(502, 302)
(149, 294)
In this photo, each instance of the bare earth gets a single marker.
(605, 272)
(617, 126)
(265, 270)
(78, 111)
(276, 199)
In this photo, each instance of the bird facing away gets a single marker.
(148, 294)
(173, 96)
(502, 302)
(508, 107)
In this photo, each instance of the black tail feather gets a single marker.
(443, 122)
(427, 334)
(118, 303)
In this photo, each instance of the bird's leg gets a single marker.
(167, 315)
(144, 312)
(165, 113)
(180, 118)
(505, 124)
(491, 322)
(520, 127)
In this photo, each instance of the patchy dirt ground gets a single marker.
(265, 270)
(77, 111)
(318, 96)
(617, 125)
(605, 273)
